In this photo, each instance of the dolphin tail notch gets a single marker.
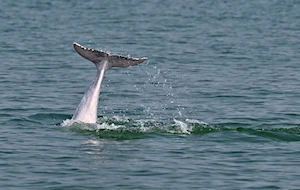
(113, 60)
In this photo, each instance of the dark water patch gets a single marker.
(278, 134)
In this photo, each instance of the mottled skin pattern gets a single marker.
(87, 109)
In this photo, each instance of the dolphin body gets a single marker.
(87, 109)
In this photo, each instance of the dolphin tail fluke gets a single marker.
(113, 60)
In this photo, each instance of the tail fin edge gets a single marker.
(114, 60)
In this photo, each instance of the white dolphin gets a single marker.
(87, 109)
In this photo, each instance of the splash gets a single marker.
(122, 126)
(127, 128)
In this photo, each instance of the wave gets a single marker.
(126, 128)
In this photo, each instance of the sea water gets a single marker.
(216, 105)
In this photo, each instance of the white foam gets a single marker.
(67, 123)
(108, 126)
(184, 127)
